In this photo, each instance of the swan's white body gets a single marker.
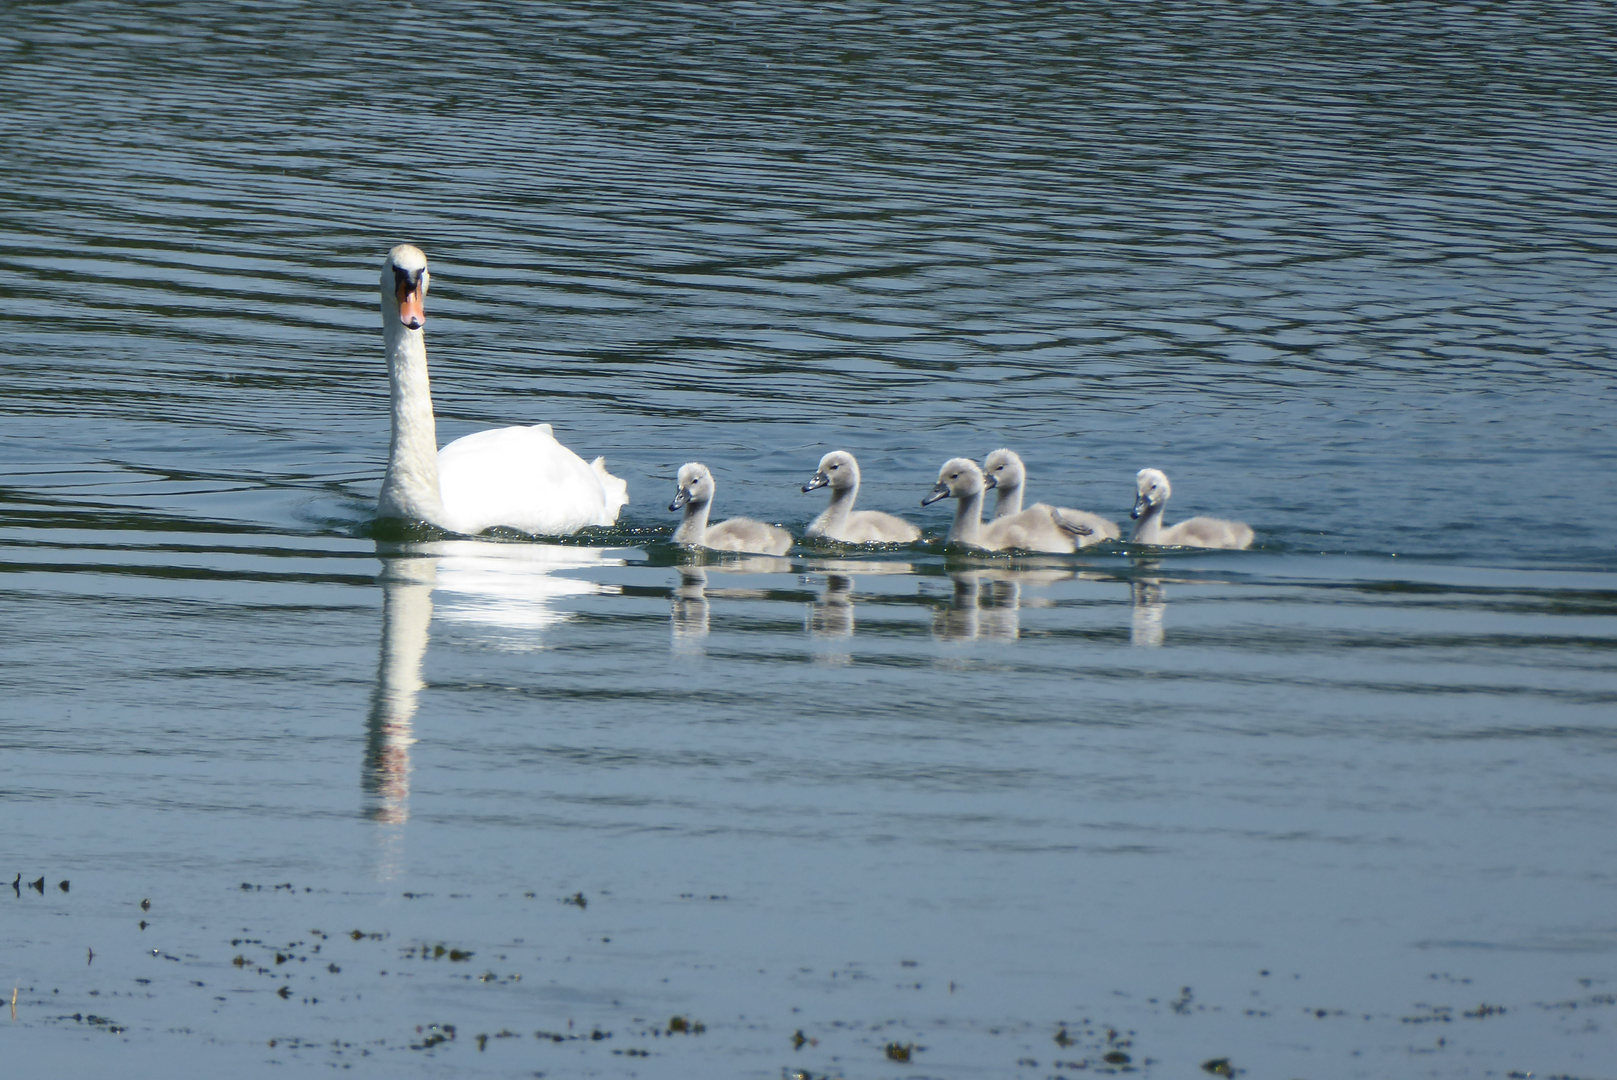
(1009, 474)
(517, 477)
(1038, 528)
(841, 522)
(694, 492)
(1152, 491)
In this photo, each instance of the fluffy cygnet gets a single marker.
(841, 522)
(694, 492)
(1152, 489)
(1005, 469)
(1038, 528)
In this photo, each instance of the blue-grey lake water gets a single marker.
(283, 792)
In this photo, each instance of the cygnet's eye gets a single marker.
(834, 468)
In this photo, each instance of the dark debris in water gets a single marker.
(439, 951)
(594, 1035)
(1082, 1047)
(433, 1035)
(101, 1023)
(1429, 1014)
(1107, 1049)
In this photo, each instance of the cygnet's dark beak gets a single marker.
(989, 483)
(682, 495)
(1141, 505)
(939, 491)
(818, 480)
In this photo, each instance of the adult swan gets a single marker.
(519, 477)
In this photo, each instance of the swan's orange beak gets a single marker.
(412, 302)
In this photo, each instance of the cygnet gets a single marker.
(841, 522)
(694, 492)
(1005, 469)
(1152, 490)
(1038, 528)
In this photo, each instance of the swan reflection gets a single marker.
(406, 615)
(988, 602)
(506, 590)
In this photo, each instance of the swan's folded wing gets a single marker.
(520, 478)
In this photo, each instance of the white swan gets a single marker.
(519, 477)
(1151, 486)
(1038, 528)
(694, 491)
(841, 522)
(1005, 469)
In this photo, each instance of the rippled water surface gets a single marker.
(283, 791)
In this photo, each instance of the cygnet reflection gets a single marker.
(1150, 604)
(831, 615)
(987, 603)
(508, 590)
(690, 614)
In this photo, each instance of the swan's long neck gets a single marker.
(1148, 526)
(410, 488)
(693, 526)
(836, 515)
(1009, 502)
(968, 519)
